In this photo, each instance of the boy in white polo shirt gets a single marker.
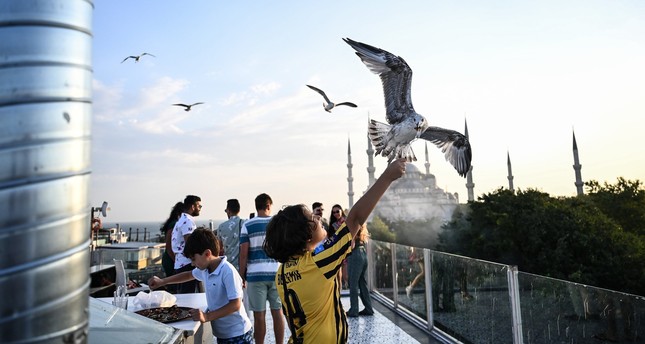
(223, 285)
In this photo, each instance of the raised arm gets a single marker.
(364, 206)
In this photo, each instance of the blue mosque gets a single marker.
(416, 196)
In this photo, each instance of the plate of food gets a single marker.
(166, 314)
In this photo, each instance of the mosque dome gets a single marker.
(411, 182)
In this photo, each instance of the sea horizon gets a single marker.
(155, 225)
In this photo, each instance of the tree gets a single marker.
(624, 202)
(380, 231)
(417, 233)
(566, 238)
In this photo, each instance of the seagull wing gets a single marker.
(197, 103)
(453, 145)
(396, 77)
(184, 105)
(321, 93)
(347, 103)
(129, 57)
(146, 54)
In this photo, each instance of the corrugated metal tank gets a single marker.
(45, 132)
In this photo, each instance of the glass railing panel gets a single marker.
(470, 299)
(556, 311)
(382, 255)
(411, 281)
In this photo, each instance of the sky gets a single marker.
(524, 75)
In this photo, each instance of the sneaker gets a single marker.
(408, 291)
(365, 312)
(351, 315)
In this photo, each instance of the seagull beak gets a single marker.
(419, 130)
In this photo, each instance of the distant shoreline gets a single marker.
(153, 225)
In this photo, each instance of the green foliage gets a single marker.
(418, 233)
(380, 231)
(567, 238)
(624, 202)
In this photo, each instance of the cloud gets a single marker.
(148, 110)
(105, 99)
(265, 89)
(161, 92)
(234, 98)
(178, 157)
(252, 96)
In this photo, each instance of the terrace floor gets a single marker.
(384, 327)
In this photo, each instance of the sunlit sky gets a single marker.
(524, 74)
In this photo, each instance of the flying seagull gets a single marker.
(406, 125)
(187, 107)
(328, 105)
(136, 58)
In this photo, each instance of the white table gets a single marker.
(189, 326)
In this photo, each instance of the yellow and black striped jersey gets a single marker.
(313, 296)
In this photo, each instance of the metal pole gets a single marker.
(427, 266)
(370, 265)
(395, 276)
(516, 311)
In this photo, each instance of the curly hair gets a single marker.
(287, 233)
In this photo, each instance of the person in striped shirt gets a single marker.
(258, 271)
(306, 279)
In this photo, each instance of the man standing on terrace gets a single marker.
(259, 270)
(184, 226)
(229, 232)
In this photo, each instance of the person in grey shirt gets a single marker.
(229, 232)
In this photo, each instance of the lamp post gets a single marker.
(103, 211)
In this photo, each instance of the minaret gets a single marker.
(469, 176)
(350, 179)
(510, 172)
(370, 163)
(577, 167)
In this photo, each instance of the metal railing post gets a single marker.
(395, 276)
(427, 266)
(370, 266)
(514, 295)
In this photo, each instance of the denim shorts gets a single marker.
(246, 338)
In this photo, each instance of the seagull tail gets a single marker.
(377, 133)
(405, 152)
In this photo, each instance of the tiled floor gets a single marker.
(376, 329)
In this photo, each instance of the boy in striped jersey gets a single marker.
(306, 279)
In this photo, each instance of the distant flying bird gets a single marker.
(136, 58)
(405, 124)
(187, 107)
(328, 105)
